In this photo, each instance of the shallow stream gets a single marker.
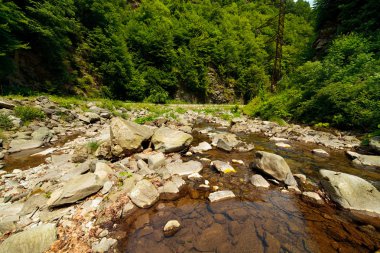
(258, 220)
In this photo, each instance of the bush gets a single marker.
(28, 113)
(5, 122)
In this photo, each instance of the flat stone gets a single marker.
(350, 191)
(34, 240)
(144, 194)
(221, 195)
(258, 181)
(184, 169)
(320, 152)
(76, 189)
(364, 160)
(222, 167)
(103, 171)
(168, 140)
(6, 105)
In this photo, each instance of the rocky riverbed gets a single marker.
(90, 179)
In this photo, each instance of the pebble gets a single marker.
(171, 227)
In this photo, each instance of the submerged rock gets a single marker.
(184, 169)
(144, 194)
(350, 191)
(127, 136)
(275, 166)
(364, 160)
(35, 240)
(221, 195)
(168, 140)
(38, 138)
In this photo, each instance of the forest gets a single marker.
(213, 51)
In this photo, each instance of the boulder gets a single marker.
(374, 144)
(171, 227)
(258, 181)
(350, 191)
(225, 141)
(35, 240)
(127, 136)
(76, 189)
(371, 161)
(222, 167)
(144, 194)
(221, 195)
(80, 154)
(168, 140)
(184, 169)
(275, 166)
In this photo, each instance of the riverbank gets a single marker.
(94, 167)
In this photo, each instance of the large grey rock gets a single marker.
(221, 195)
(127, 136)
(374, 143)
(275, 166)
(35, 240)
(76, 189)
(184, 169)
(42, 134)
(351, 191)
(144, 194)
(364, 160)
(168, 140)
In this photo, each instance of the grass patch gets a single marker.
(28, 113)
(93, 146)
(5, 122)
(142, 120)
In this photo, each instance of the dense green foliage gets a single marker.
(150, 50)
(343, 88)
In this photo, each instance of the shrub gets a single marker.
(5, 122)
(28, 113)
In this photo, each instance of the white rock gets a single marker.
(155, 161)
(282, 145)
(320, 152)
(171, 227)
(258, 181)
(312, 197)
(144, 194)
(221, 195)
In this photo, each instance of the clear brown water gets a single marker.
(258, 220)
(25, 159)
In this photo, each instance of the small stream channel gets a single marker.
(258, 220)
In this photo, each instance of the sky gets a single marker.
(311, 2)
